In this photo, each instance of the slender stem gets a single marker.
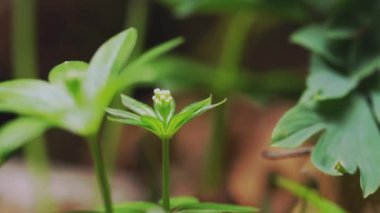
(165, 175)
(231, 53)
(101, 174)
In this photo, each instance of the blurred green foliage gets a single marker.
(309, 195)
(342, 96)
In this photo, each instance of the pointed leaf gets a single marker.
(18, 132)
(137, 106)
(122, 114)
(136, 71)
(108, 61)
(190, 112)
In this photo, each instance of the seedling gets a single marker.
(162, 121)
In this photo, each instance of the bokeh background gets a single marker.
(235, 49)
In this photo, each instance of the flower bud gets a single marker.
(164, 104)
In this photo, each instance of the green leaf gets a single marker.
(135, 207)
(214, 208)
(108, 61)
(34, 98)
(350, 130)
(177, 202)
(325, 83)
(315, 39)
(296, 126)
(343, 137)
(137, 106)
(190, 112)
(309, 195)
(136, 71)
(17, 133)
(69, 75)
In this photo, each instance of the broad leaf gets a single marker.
(35, 98)
(296, 126)
(108, 61)
(325, 83)
(351, 130)
(17, 133)
(309, 195)
(354, 132)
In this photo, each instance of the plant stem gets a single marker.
(165, 175)
(101, 174)
(232, 50)
(25, 65)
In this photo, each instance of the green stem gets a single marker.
(25, 65)
(101, 174)
(232, 50)
(165, 175)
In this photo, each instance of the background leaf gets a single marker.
(16, 133)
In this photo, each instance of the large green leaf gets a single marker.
(350, 138)
(34, 98)
(17, 133)
(108, 61)
(352, 141)
(325, 83)
(296, 126)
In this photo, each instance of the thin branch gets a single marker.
(283, 154)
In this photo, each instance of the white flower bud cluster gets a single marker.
(162, 96)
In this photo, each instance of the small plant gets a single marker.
(164, 123)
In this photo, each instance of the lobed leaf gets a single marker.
(296, 126)
(325, 83)
(352, 130)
